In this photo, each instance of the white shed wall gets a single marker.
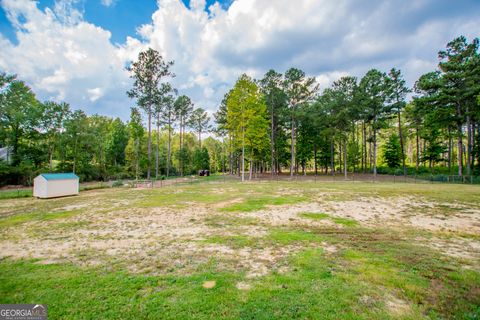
(40, 187)
(60, 188)
(43, 188)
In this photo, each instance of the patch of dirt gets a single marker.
(466, 249)
(396, 306)
(243, 286)
(374, 211)
(209, 284)
(329, 248)
(288, 215)
(144, 240)
(163, 240)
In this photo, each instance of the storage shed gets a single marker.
(51, 185)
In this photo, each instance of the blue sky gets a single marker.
(121, 18)
(76, 50)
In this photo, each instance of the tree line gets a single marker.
(279, 123)
(49, 136)
(370, 125)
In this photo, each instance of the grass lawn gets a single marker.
(221, 249)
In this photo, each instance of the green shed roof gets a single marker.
(59, 176)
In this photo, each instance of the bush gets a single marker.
(117, 184)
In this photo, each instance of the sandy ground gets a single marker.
(160, 240)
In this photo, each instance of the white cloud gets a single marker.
(108, 3)
(95, 94)
(65, 57)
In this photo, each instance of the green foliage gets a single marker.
(201, 159)
(392, 152)
(247, 119)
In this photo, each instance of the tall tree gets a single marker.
(148, 72)
(116, 142)
(276, 100)
(372, 97)
(168, 118)
(397, 92)
(246, 112)
(19, 113)
(136, 132)
(76, 128)
(199, 121)
(51, 121)
(459, 66)
(162, 105)
(343, 112)
(299, 89)
(183, 109)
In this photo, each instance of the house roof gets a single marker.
(59, 176)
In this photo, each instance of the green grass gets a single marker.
(239, 241)
(345, 221)
(315, 216)
(311, 291)
(259, 203)
(368, 269)
(12, 194)
(17, 219)
(338, 220)
(285, 236)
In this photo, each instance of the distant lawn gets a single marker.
(12, 194)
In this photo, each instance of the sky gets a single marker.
(76, 50)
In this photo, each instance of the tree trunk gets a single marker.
(272, 144)
(75, 154)
(469, 144)
(401, 143)
(370, 159)
(375, 153)
(449, 151)
(149, 143)
(169, 147)
(459, 137)
(364, 148)
(243, 154)
(417, 138)
(460, 149)
(345, 160)
(476, 140)
(332, 160)
(51, 159)
(158, 148)
(315, 158)
(137, 159)
(292, 147)
(340, 156)
(250, 169)
(230, 155)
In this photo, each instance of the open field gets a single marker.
(259, 250)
